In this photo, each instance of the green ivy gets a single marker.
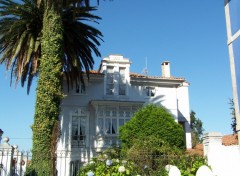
(49, 94)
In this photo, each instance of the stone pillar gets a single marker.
(211, 139)
(6, 156)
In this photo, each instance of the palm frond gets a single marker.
(20, 30)
(20, 38)
(84, 38)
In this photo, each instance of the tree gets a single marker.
(152, 121)
(35, 41)
(234, 122)
(20, 29)
(197, 129)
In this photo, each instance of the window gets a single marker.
(74, 167)
(110, 81)
(115, 80)
(150, 91)
(78, 131)
(122, 81)
(80, 89)
(110, 118)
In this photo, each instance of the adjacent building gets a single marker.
(232, 12)
(91, 117)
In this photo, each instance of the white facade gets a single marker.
(90, 118)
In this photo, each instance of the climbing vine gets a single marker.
(49, 94)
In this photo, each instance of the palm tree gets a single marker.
(47, 38)
(20, 35)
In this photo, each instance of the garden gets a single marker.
(151, 142)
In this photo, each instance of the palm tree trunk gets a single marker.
(49, 94)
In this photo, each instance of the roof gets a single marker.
(197, 150)
(231, 139)
(95, 72)
(136, 75)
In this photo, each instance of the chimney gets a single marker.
(166, 69)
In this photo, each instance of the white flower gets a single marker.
(90, 173)
(124, 162)
(121, 169)
(109, 162)
(91, 162)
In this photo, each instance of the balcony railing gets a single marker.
(78, 141)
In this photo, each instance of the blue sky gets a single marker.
(190, 34)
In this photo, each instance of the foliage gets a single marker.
(47, 38)
(151, 155)
(21, 27)
(154, 121)
(140, 162)
(107, 165)
(234, 123)
(197, 129)
(49, 93)
(20, 39)
(189, 164)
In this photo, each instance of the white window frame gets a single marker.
(80, 113)
(79, 139)
(110, 80)
(103, 116)
(122, 81)
(150, 91)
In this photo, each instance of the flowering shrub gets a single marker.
(140, 163)
(108, 164)
(107, 167)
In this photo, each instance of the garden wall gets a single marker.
(224, 160)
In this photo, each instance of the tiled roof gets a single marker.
(95, 72)
(231, 139)
(136, 75)
(198, 150)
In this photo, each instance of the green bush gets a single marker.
(155, 121)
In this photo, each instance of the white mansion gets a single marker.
(91, 117)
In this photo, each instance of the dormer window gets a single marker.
(115, 80)
(110, 81)
(150, 91)
(122, 81)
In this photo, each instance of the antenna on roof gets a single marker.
(145, 70)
